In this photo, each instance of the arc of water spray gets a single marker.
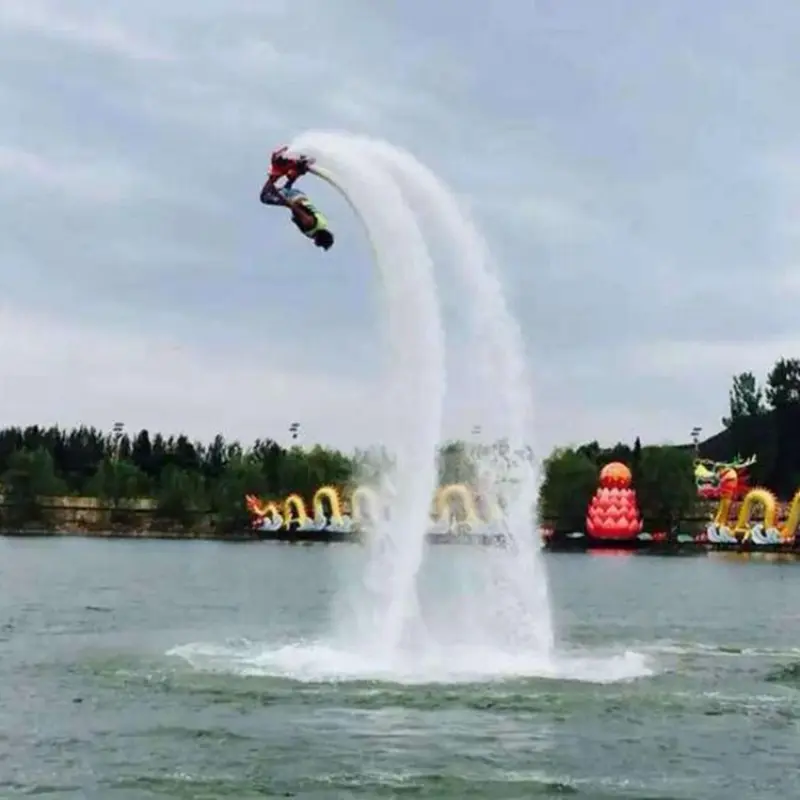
(508, 603)
(401, 256)
(499, 353)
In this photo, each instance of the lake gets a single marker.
(154, 669)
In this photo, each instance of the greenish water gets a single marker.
(138, 669)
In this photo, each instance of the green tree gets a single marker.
(159, 456)
(184, 454)
(591, 450)
(745, 399)
(328, 467)
(783, 395)
(180, 497)
(116, 483)
(242, 476)
(636, 461)
(269, 455)
(124, 448)
(783, 383)
(570, 481)
(215, 460)
(665, 490)
(295, 474)
(29, 480)
(619, 452)
(142, 452)
(749, 428)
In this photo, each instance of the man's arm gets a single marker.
(269, 194)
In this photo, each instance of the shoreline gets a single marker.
(281, 536)
(552, 544)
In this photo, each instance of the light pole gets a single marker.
(475, 447)
(696, 439)
(117, 431)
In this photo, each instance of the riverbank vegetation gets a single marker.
(54, 478)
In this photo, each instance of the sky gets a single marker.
(634, 166)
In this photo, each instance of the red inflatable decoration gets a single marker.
(614, 512)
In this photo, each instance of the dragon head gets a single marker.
(716, 479)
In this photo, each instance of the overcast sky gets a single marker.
(634, 165)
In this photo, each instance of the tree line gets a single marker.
(188, 480)
(763, 420)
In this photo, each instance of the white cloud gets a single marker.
(703, 359)
(79, 180)
(545, 217)
(788, 280)
(49, 20)
(54, 372)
